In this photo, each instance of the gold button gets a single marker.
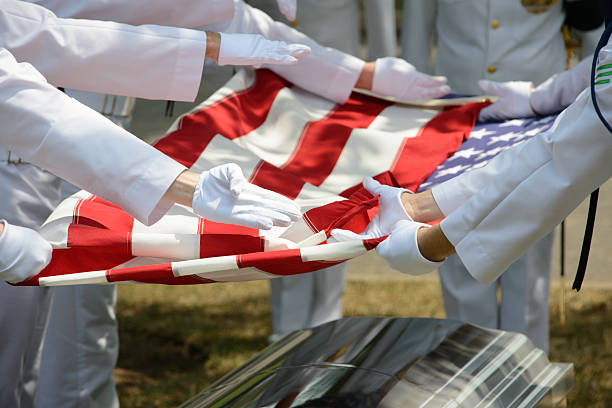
(492, 69)
(495, 24)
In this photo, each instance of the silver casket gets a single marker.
(394, 362)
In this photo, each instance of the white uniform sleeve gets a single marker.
(419, 26)
(327, 72)
(534, 186)
(560, 90)
(184, 13)
(57, 133)
(150, 62)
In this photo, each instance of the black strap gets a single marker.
(590, 225)
(586, 242)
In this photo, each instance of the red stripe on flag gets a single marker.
(233, 116)
(229, 244)
(419, 156)
(159, 273)
(322, 141)
(271, 177)
(287, 262)
(226, 239)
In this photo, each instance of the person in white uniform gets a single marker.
(495, 40)
(542, 179)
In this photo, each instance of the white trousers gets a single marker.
(27, 197)
(80, 349)
(380, 28)
(303, 301)
(81, 345)
(524, 287)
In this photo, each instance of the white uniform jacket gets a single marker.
(499, 40)
(152, 62)
(184, 13)
(523, 193)
(326, 72)
(55, 132)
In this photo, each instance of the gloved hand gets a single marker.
(390, 211)
(224, 195)
(513, 100)
(401, 249)
(397, 78)
(23, 253)
(288, 8)
(253, 49)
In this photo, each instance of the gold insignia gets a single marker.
(538, 6)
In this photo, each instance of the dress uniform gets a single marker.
(496, 40)
(556, 170)
(29, 194)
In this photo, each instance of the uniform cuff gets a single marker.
(189, 66)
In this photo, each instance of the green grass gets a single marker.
(177, 340)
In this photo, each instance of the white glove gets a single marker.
(253, 49)
(513, 100)
(560, 90)
(401, 249)
(390, 211)
(288, 8)
(224, 195)
(23, 253)
(397, 78)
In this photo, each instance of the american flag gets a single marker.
(287, 140)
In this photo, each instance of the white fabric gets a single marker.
(224, 195)
(554, 171)
(524, 286)
(560, 90)
(187, 14)
(80, 349)
(325, 72)
(28, 197)
(513, 100)
(525, 46)
(288, 8)
(156, 62)
(397, 78)
(23, 253)
(253, 49)
(309, 300)
(380, 28)
(401, 250)
(46, 128)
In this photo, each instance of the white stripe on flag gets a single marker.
(380, 143)
(221, 150)
(277, 138)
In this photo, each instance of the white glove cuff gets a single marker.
(401, 249)
(237, 49)
(401, 205)
(382, 83)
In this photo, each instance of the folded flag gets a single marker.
(287, 140)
